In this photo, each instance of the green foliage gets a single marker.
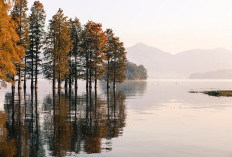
(116, 59)
(76, 55)
(58, 45)
(19, 15)
(227, 93)
(37, 23)
(94, 45)
(135, 72)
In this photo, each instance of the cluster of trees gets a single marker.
(135, 72)
(70, 50)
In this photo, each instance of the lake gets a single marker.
(142, 118)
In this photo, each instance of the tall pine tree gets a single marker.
(58, 45)
(119, 64)
(116, 60)
(19, 15)
(37, 23)
(94, 44)
(10, 51)
(76, 54)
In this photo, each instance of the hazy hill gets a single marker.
(218, 74)
(161, 64)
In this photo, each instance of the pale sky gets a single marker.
(170, 25)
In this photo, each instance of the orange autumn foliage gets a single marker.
(10, 52)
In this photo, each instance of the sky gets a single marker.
(170, 25)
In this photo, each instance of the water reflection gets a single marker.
(129, 88)
(62, 124)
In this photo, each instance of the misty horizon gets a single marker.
(172, 53)
(202, 63)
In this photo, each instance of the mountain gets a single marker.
(150, 57)
(218, 74)
(162, 64)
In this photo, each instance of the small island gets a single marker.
(218, 93)
(135, 72)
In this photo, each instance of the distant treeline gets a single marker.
(135, 72)
(66, 52)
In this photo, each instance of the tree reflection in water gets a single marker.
(61, 124)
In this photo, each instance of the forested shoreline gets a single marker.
(64, 53)
(135, 72)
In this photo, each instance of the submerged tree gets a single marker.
(58, 45)
(10, 51)
(94, 44)
(109, 55)
(76, 55)
(119, 64)
(116, 60)
(37, 22)
(19, 15)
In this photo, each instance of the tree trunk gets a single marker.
(70, 89)
(107, 79)
(76, 83)
(95, 87)
(32, 70)
(95, 98)
(13, 89)
(90, 87)
(59, 85)
(114, 86)
(54, 84)
(25, 75)
(36, 120)
(13, 101)
(87, 78)
(54, 78)
(95, 81)
(75, 73)
(90, 83)
(70, 77)
(36, 69)
(70, 84)
(87, 72)
(66, 84)
(114, 108)
(90, 77)
(19, 79)
(19, 101)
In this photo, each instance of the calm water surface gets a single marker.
(143, 118)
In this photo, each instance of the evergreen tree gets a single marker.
(19, 15)
(58, 45)
(109, 55)
(76, 54)
(94, 44)
(119, 64)
(37, 22)
(116, 60)
(10, 51)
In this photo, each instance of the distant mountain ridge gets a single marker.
(218, 74)
(162, 64)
